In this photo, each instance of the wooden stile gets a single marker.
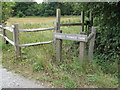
(91, 44)
(16, 39)
(58, 37)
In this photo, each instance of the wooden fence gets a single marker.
(15, 30)
(58, 37)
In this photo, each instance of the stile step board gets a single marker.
(35, 44)
(35, 30)
(74, 37)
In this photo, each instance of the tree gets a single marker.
(6, 10)
(23, 9)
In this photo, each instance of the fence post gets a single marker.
(4, 34)
(91, 19)
(82, 21)
(58, 42)
(91, 44)
(82, 51)
(16, 39)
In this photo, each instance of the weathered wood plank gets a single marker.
(91, 44)
(16, 39)
(0, 29)
(4, 33)
(74, 37)
(82, 21)
(1, 35)
(91, 19)
(35, 30)
(0, 26)
(72, 24)
(58, 43)
(8, 28)
(35, 44)
(90, 36)
(10, 41)
(82, 50)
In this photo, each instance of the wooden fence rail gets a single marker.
(72, 24)
(8, 28)
(35, 30)
(10, 41)
(15, 29)
(35, 44)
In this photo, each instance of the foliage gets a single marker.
(45, 9)
(107, 19)
(6, 10)
(22, 9)
(38, 66)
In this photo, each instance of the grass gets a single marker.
(39, 62)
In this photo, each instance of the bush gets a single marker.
(38, 66)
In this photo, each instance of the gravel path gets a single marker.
(9, 79)
(12, 80)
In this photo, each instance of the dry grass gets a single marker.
(37, 20)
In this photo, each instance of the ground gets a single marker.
(12, 80)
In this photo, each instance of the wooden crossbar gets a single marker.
(0, 26)
(90, 36)
(35, 30)
(72, 24)
(8, 28)
(0, 29)
(10, 41)
(35, 44)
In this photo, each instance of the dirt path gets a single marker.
(12, 80)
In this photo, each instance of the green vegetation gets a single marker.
(39, 62)
(5, 11)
